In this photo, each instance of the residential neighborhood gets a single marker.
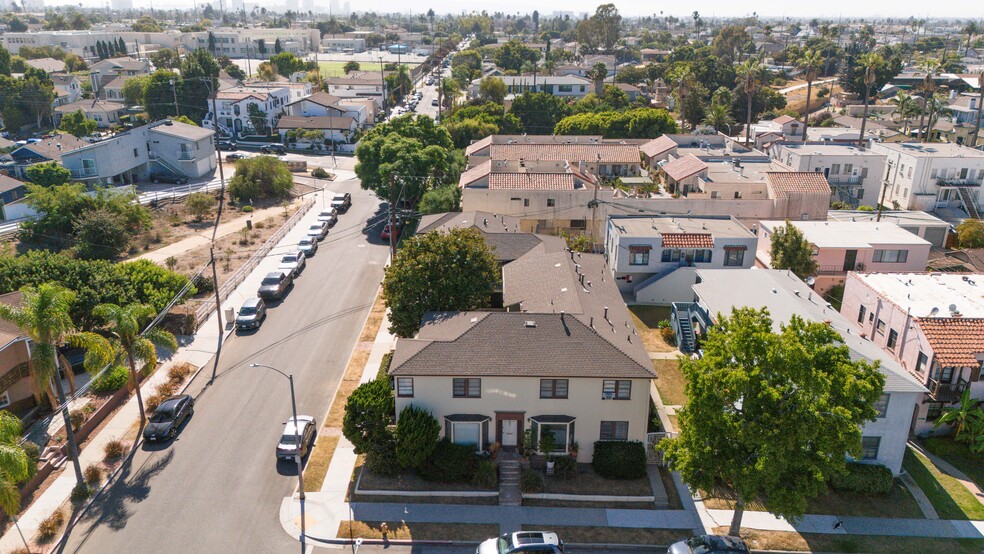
(447, 278)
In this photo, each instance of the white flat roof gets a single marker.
(933, 149)
(832, 149)
(901, 217)
(921, 292)
(850, 234)
(632, 226)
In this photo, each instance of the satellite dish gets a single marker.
(934, 311)
(811, 280)
(953, 308)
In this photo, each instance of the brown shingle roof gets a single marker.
(610, 153)
(781, 183)
(478, 145)
(475, 173)
(684, 166)
(956, 341)
(657, 146)
(783, 119)
(532, 181)
(687, 240)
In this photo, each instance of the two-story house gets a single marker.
(854, 174)
(322, 104)
(566, 86)
(105, 114)
(932, 324)
(843, 246)
(563, 358)
(644, 254)
(234, 108)
(926, 176)
(719, 291)
(68, 89)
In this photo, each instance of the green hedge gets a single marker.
(619, 459)
(450, 463)
(863, 479)
(113, 380)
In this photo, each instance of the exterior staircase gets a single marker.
(170, 168)
(509, 493)
(969, 204)
(687, 342)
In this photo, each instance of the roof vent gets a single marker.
(530, 324)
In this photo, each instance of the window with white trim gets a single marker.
(614, 431)
(616, 389)
(404, 387)
(467, 388)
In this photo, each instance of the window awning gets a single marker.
(639, 248)
(553, 419)
(467, 418)
(735, 247)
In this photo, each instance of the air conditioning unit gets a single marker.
(608, 396)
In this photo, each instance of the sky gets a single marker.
(829, 9)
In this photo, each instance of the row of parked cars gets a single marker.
(548, 542)
(276, 283)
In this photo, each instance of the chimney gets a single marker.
(606, 313)
(582, 279)
(591, 322)
(580, 167)
(485, 221)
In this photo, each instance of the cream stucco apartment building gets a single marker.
(718, 291)
(562, 358)
(927, 176)
(932, 324)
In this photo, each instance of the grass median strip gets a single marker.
(811, 542)
(331, 431)
(397, 530)
(614, 535)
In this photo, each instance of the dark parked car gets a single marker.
(342, 202)
(709, 544)
(252, 314)
(168, 417)
(168, 178)
(274, 286)
(273, 149)
(236, 157)
(227, 145)
(305, 430)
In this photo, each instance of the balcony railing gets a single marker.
(959, 182)
(844, 180)
(838, 269)
(84, 172)
(946, 392)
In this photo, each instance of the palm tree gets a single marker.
(14, 463)
(680, 79)
(928, 88)
(44, 316)
(719, 117)
(906, 107)
(970, 29)
(963, 415)
(870, 61)
(809, 63)
(749, 76)
(936, 109)
(696, 16)
(129, 344)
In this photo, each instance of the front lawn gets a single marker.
(950, 499)
(397, 530)
(898, 503)
(587, 482)
(813, 542)
(408, 480)
(958, 454)
(670, 382)
(647, 319)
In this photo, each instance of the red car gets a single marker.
(385, 235)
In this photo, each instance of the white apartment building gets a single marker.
(233, 105)
(568, 86)
(854, 174)
(927, 176)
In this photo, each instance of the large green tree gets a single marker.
(199, 74)
(367, 415)
(132, 342)
(261, 177)
(159, 94)
(77, 124)
(438, 272)
(600, 32)
(44, 316)
(416, 152)
(637, 123)
(539, 112)
(48, 174)
(790, 250)
(513, 54)
(771, 414)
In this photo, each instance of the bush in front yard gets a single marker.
(531, 482)
(450, 463)
(619, 459)
(863, 479)
(565, 467)
(669, 337)
(381, 455)
(112, 380)
(367, 413)
(486, 475)
(417, 433)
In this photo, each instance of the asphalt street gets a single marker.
(217, 487)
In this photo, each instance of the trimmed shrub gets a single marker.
(450, 463)
(93, 474)
(77, 417)
(80, 493)
(112, 380)
(50, 525)
(319, 173)
(176, 373)
(619, 459)
(381, 455)
(417, 433)
(246, 209)
(486, 475)
(531, 482)
(33, 452)
(565, 467)
(166, 389)
(383, 373)
(367, 413)
(153, 401)
(669, 337)
(863, 479)
(114, 450)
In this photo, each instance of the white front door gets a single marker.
(510, 429)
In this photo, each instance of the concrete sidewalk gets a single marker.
(198, 352)
(896, 527)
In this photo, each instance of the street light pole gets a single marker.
(297, 444)
(174, 90)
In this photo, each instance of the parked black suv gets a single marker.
(273, 149)
(275, 285)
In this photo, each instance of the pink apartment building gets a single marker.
(843, 246)
(932, 324)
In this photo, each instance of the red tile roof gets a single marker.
(781, 183)
(956, 341)
(532, 181)
(475, 173)
(684, 166)
(610, 153)
(687, 240)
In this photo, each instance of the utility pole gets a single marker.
(218, 216)
(392, 217)
(174, 90)
(885, 186)
(980, 102)
(382, 77)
